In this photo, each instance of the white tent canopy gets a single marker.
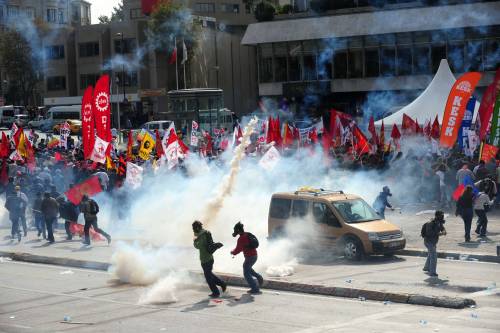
(430, 103)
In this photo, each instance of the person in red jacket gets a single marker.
(250, 254)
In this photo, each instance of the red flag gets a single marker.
(418, 129)
(488, 152)
(395, 134)
(487, 103)
(91, 186)
(277, 133)
(270, 130)
(373, 131)
(101, 110)
(326, 141)
(4, 147)
(57, 156)
(427, 129)
(435, 130)
(4, 176)
(361, 145)
(313, 136)
(17, 136)
(408, 125)
(173, 56)
(30, 155)
(148, 6)
(288, 137)
(454, 112)
(87, 123)
(77, 229)
(382, 136)
(458, 192)
(238, 134)
(159, 146)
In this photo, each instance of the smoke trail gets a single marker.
(227, 184)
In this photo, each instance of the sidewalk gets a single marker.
(401, 275)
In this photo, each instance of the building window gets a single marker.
(372, 63)
(474, 52)
(230, 8)
(266, 69)
(29, 12)
(456, 57)
(404, 61)
(88, 80)
(340, 65)
(90, 49)
(136, 13)
(355, 63)
(126, 45)
(388, 61)
(310, 72)
(51, 15)
(491, 54)
(1, 13)
(422, 62)
(55, 52)
(60, 16)
(56, 83)
(204, 7)
(127, 79)
(12, 11)
(438, 52)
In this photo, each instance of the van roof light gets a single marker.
(316, 192)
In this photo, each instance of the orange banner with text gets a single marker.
(455, 107)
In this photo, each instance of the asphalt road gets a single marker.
(37, 298)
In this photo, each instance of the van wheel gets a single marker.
(353, 250)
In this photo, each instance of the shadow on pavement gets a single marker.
(244, 299)
(367, 261)
(201, 305)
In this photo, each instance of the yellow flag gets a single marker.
(109, 163)
(147, 145)
(21, 146)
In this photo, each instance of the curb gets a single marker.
(453, 255)
(237, 281)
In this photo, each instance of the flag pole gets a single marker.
(184, 59)
(176, 65)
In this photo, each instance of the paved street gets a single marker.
(37, 298)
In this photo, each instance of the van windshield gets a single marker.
(65, 115)
(355, 211)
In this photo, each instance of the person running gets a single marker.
(90, 209)
(431, 232)
(69, 212)
(465, 206)
(382, 201)
(37, 214)
(482, 205)
(203, 242)
(50, 211)
(248, 244)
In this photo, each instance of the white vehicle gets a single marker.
(57, 115)
(160, 125)
(21, 119)
(7, 114)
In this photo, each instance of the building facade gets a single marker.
(353, 51)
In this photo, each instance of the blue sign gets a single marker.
(463, 138)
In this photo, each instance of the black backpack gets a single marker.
(423, 231)
(211, 246)
(94, 208)
(253, 242)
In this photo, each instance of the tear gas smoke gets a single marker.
(227, 184)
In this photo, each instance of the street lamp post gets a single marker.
(122, 51)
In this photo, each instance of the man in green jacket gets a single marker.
(203, 240)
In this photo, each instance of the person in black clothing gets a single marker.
(431, 232)
(37, 214)
(16, 205)
(465, 209)
(50, 211)
(69, 212)
(90, 209)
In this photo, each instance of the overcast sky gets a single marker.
(102, 7)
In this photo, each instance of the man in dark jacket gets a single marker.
(69, 212)
(250, 254)
(90, 209)
(50, 211)
(381, 202)
(16, 205)
(37, 214)
(203, 240)
(431, 232)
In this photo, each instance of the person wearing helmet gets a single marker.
(204, 243)
(431, 232)
(381, 201)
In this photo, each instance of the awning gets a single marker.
(374, 23)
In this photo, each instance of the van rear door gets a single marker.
(279, 213)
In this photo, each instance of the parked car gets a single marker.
(74, 125)
(8, 113)
(56, 115)
(21, 120)
(336, 221)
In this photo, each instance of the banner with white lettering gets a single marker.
(463, 138)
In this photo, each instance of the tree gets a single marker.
(22, 67)
(117, 15)
(264, 11)
(170, 22)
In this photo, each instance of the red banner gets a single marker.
(362, 146)
(487, 103)
(101, 109)
(488, 152)
(88, 130)
(455, 107)
(90, 187)
(148, 6)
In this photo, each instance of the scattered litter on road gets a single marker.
(83, 289)
(464, 257)
(67, 272)
(450, 258)
(218, 301)
(5, 259)
(361, 298)
(12, 317)
(483, 241)
(387, 302)
(423, 322)
(67, 318)
(276, 293)
(474, 315)
(472, 306)
(348, 281)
